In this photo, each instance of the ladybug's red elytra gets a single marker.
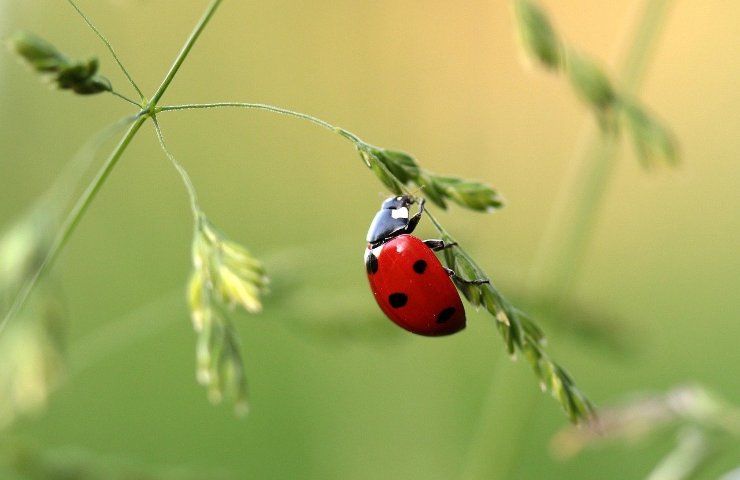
(410, 284)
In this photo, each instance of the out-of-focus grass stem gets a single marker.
(565, 241)
(495, 451)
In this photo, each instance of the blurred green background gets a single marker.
(337, 391)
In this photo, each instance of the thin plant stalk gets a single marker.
(72, 220)
(124, 97)
(186, 180)
(201, 25)
(564, 245)
(264, 107)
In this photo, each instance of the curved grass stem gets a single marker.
(110, 48)
(267, 108)
(192, 194)
(124, 97)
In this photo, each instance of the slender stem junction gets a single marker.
(83, 203)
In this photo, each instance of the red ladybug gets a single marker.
(410, 284)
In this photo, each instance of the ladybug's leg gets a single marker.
(454, 276)
(438, 245)
(413, 221)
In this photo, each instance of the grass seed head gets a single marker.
(79, 76)
(225, 275)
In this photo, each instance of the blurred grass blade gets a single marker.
(537, 35)
(645, 415)
(590, 82)
(21, 459)
(32, 359)
(684, 461)
(23, 249)
(653, 141)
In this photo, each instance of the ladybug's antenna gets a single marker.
(415, 193)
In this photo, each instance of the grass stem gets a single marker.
(254, 106)
(184, 52)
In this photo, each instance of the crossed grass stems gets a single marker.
(396, 170)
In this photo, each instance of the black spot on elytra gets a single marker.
(420, 266)
(445, 314)
(398, 300)
(371, 263)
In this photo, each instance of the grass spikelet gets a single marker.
(653, 141)
(80, 76)
(397, 170)
(590, 82)
(614, 108)
(537, 34)
(225, 275)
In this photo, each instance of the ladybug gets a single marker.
(410, 284)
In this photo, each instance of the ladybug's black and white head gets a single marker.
(391, 220)
(402, 201)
